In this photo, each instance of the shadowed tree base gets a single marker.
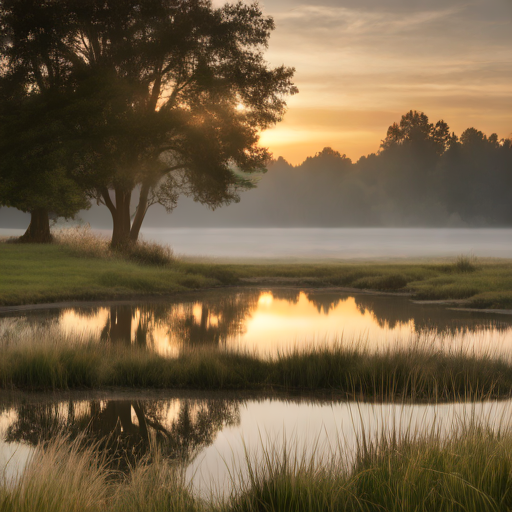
(38, 232)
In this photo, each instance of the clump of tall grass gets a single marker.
(469, 468)
(155, 486)
(465, 264)
(149, 253)
(64, 476)
(59, 477)
(82, 242)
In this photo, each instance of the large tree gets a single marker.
(35, 170)
(172, 96)
(164, 97)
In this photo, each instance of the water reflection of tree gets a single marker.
(125, 429)
(290, 296)
(218, 317)
(325, 302)
(221, 318)
(392, 311)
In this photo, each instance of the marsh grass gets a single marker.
(59, 477)
(46, 359)
(71, 476)
(466, 469)
(466, 263)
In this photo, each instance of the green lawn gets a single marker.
(48, 273)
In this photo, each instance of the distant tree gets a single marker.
(35, 172)
(415, 126)
(477, 178)
(171, 98)
(328, 155)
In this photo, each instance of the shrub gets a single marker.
(149, 253)
(465, 263)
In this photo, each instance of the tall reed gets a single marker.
(467, 470)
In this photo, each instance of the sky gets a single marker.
(362, 64)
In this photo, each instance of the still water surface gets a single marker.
(266, 322)
(211, 434)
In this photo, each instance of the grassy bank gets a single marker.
(37, 274)
(467, 471)
(84, 269)
(51, 361)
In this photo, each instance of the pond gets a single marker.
(212, 433)
(265, 322)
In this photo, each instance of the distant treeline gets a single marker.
(423, 175)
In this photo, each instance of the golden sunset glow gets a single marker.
(285, 325)
(73, 322)
(269, 324)
(361, 64)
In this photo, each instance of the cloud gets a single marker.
(359, 22)
(361, 64)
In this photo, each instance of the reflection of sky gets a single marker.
(266, 323)
(13, 456)
(361, 64)
(319, 431)
(280, 323)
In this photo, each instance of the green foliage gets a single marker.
(147, 100)
(36, 170)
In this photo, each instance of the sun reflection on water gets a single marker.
(267, 322)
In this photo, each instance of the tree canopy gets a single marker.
(167, 97)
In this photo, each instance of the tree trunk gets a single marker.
(121, 325)
(121, 220)
(125, 233)
(140, 213)
(38, 232)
